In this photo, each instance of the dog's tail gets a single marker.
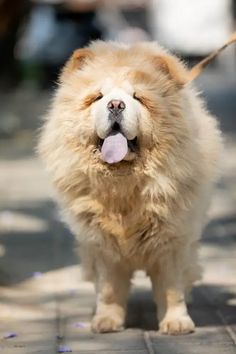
(198, 68)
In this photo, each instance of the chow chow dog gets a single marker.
(133, 155)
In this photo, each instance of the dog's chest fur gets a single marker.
(125, 222)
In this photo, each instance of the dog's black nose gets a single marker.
(116, 106)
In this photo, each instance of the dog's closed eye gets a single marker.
(91, 99)
(145, 102)
(137, 98)
(98, 97)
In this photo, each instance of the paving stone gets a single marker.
(32, 337)
(205, 341)
(42, 294)
(127, 340)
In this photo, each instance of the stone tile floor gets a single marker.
(45, 302)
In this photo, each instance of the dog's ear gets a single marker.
(172, 68)
(79, 58)
(76, 61)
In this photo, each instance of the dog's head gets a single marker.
(118, 106)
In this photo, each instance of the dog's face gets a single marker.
(116, 117)
(119, 103)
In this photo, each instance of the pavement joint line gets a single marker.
(148, 343)
(227, 326)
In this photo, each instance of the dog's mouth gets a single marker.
(116, 147)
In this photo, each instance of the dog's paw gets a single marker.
(107, 323)
(177, 325)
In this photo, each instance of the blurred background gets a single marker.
(36, 38)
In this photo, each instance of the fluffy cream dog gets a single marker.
(133, 155)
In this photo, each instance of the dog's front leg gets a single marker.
(169, 294)
(112, 286)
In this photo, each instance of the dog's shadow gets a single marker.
(210, 306)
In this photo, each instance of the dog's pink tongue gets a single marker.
(114, 148)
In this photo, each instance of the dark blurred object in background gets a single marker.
(12, 13)
(38, 36)
(51, 34)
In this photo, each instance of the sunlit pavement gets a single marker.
(45, 307)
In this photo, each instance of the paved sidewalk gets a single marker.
(47, 305)
(44, 301)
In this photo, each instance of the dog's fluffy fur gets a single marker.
(147, 211)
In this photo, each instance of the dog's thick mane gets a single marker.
(160, 185)
(146, 212)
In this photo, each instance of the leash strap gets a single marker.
(198, 68)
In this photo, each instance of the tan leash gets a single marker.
(198, 68)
